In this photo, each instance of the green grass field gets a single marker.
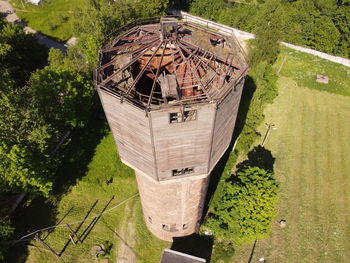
(110, 228)
(311, 149)
(303, 68)
(52, 18)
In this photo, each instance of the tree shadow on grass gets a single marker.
(78, 155)
(219, 169)
(260, 157)
(42, 212)
(194, 245)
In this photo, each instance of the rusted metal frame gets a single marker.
(195, 73)
(241, 75)
(210, 60)
(217, 57)
(157, 73)
(192, 53)
(134, 43)
(129, 64)
(132, 30)
(135, 51)
(143, 69)
(205, 54)
(199, 58)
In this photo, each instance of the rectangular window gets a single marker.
(184, 171)
(187, 115)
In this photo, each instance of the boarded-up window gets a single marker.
(187, 115)
(183, 171)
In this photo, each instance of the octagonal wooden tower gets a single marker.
(171, 91)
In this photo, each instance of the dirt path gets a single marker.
(126, 236)
(7, 11)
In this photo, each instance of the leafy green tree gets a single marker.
(96, 21)
(266, 45)
(6, 230)
(62, 96)
(20, 54)
(209, 9)
(246, 207)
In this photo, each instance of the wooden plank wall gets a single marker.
(131, 131)
(224, 124)
(185, 144)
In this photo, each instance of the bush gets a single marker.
(246, 207)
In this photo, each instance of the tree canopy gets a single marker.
(319, 24)
(246, 207)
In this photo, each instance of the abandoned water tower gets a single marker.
(171, 91)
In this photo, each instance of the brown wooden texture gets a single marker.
(131, 131)
(224, 124)
(184, 144)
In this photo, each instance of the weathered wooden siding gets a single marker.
(131, 131)
(185, 144)
(224, 124)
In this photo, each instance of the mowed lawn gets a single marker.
(311, 147)
(53, 18)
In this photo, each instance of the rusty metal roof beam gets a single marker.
(134, 51)
(206, 53)
(143, 69)
(156, 75)
(134, 43)
(217, 57)
(128, 64)
(195, 73)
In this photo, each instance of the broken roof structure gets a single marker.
(170, 63)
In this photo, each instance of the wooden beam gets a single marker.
(195, 73)
(217, 57)
(143, 69)
(102, 67)
(156, 75)
(128, 64)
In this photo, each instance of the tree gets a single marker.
(271, 22)
(6, 231)
(246, 207)
(20, 54)
(210, 9)
(62, 96)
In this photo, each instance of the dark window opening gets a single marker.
(184, 226)
(177, 172)
(187, 115)
(150, 219)
(165, 227)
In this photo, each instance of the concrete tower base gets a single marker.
(172, 208)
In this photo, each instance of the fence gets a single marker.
(246, 36)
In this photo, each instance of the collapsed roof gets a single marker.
(170, 63)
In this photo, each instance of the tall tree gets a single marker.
(266, 45)
(246, 207)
